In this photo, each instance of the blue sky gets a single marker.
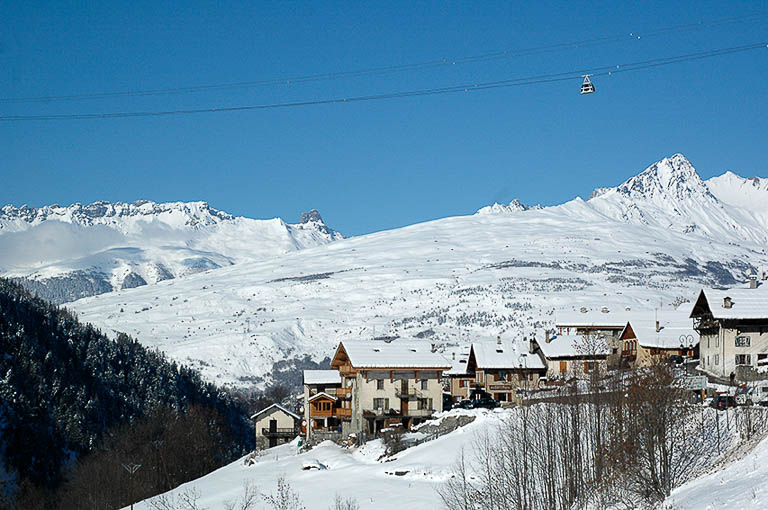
(374, 165)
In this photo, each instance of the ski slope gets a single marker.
(444, 281)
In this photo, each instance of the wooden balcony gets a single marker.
(327, 413)
(344, 393)
(279, 432)
(347, 372)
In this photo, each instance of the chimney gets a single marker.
(387, 340)
(498, 340)
(753, 281)
(453, 355)
(765, 275)
(531, 345)
(432, 348)
(604, 309)
(727, 303)
(583, 309)
(546, 336)
(658, 326)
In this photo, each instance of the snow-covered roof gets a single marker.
(746, 303)
(322, 377)
(592, 319)
(674, 328)
(266, 410)
(395, 354)
(507, 354)
(572, 346)
(322, 394)
(458, 358)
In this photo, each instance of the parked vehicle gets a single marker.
(485, 403)
(463, 404)
(722, 402)
(676, 359)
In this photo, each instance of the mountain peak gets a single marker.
(672, 178)
(311, 216)
(514, 206)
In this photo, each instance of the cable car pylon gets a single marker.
(587, 87)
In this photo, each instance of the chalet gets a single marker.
(460, 381)
(604, 324)
(733, 325)
(325, 403)
(391, 383)
(567, 355)
(275, 425)
(500, 368)
(647, 337)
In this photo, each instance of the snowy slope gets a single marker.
(444, 281)
(414, 474)
(740, 484)
(352, 473)
(128, 245)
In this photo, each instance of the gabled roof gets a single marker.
(274, 408)
(573, 346)
(396, 354)
(322, 377)
(746, 303)
(506, 355)
(322, 394)
(675, 328)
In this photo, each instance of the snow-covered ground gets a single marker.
(654, 240)
(739, 485)
(413, 475)
(410, 476)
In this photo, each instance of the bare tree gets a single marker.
(340, 503)
(285, 498)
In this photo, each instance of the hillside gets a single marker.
(65, 253)
(415, 474)
(654, 240)
(63, 385)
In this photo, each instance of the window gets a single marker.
(708, 339)
(465, 383)
(742, 341)
(762, 360)
(744, 359)
(425, 404)
(717, 359)
(717, 341)
(381, 403)
(424, 384)
(379, 384)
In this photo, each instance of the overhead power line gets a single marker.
(531, 80)
(427, 64)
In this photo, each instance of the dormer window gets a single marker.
(727, 302)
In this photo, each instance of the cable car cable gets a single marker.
(570, 75)
(503, 54)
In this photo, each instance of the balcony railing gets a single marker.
(279, 432)
(410, 394)
(326, 413)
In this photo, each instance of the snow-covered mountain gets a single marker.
(69, 252)
(449, 280)
(670, 194)
(514, 206)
